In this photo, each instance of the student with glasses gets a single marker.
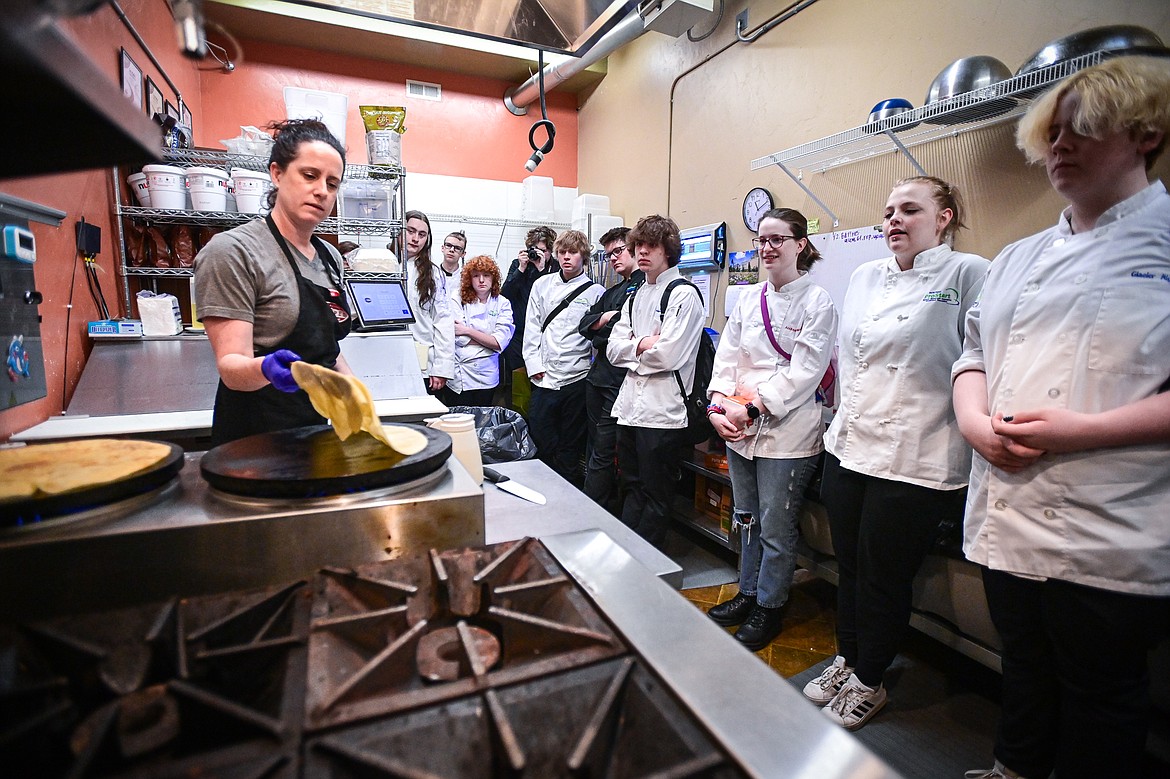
(771, 357)
(454, 249)
(604, 379)
(896, 466)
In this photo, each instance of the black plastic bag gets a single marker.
(503, 433)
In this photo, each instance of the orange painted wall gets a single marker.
(89, 193)
(469, 133)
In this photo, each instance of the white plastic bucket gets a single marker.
(251, 186)
(168, 187)
(139, 187)
(208, 189)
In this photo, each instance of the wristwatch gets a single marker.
(752, 411)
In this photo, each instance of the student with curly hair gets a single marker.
(483, 329)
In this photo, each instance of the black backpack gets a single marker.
(699, 427)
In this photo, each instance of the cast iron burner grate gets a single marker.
(210, 686)
(465, 663)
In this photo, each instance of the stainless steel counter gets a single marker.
(568, 510)
(165, 387)
(753, 712)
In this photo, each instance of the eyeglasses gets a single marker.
(775, 241)
(615, 252)
(453, 246)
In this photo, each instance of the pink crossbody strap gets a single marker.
(768, 323)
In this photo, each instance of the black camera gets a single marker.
(533, 254)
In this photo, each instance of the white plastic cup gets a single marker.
(139, 187)
(168, 187)
(208, 189)
(251, 186)
(464, 441)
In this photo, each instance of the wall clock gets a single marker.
(756, 203)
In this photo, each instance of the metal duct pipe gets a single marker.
(517, 99)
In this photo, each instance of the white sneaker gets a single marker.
(855, 704)
(825, 687)
(998, 771)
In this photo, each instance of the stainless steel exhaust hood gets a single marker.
(566, 26)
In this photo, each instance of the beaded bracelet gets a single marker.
(715, 408)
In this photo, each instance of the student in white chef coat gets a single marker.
(557, 357)
(1062, 391)
(434, 328)
(896, 465)
(483, 328)
(764, 405)
(652, 344)
(453, 250)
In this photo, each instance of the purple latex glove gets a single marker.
(275, 368)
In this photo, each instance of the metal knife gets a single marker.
(507, 484)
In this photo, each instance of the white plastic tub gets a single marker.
(251, 186)
(208, 189)
(140, 188)
(168, 187)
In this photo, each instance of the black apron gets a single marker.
(322, 321)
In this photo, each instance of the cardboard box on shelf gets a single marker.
(713, 499)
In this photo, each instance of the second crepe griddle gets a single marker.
(308, 462)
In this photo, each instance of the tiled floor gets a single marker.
(807, 637)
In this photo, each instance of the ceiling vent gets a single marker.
(424, 90)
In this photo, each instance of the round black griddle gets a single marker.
(28, 510)
(309, 462)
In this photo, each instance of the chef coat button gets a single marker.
(863, 365)
(856, 415)
(1062, 337)
(1007, 393)
(1001, 504)
(1058, 242)
(1081, 278)
(1049, 514)
(1033, 287)
(876, 317)
(1017, 339)
(891, 367)
(1054, 393)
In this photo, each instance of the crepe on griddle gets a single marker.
(346, 402)
(52, 469)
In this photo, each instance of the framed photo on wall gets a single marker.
(171, 111)
(131, 80)
(185, 116)
(155, 104)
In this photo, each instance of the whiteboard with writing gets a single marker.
(842, 252)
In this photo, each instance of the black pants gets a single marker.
(556, 419)
(600, 467)
(882, 530)
(1075, 682)
(471, 397)
(649, 460)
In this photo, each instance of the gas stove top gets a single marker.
(189, 538)
(474, 662)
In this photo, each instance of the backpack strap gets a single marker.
(564, 304)
(662, 317)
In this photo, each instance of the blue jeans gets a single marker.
(768, 495)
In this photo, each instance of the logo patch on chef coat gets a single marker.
(950, 296)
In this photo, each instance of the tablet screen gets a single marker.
(380, 304)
